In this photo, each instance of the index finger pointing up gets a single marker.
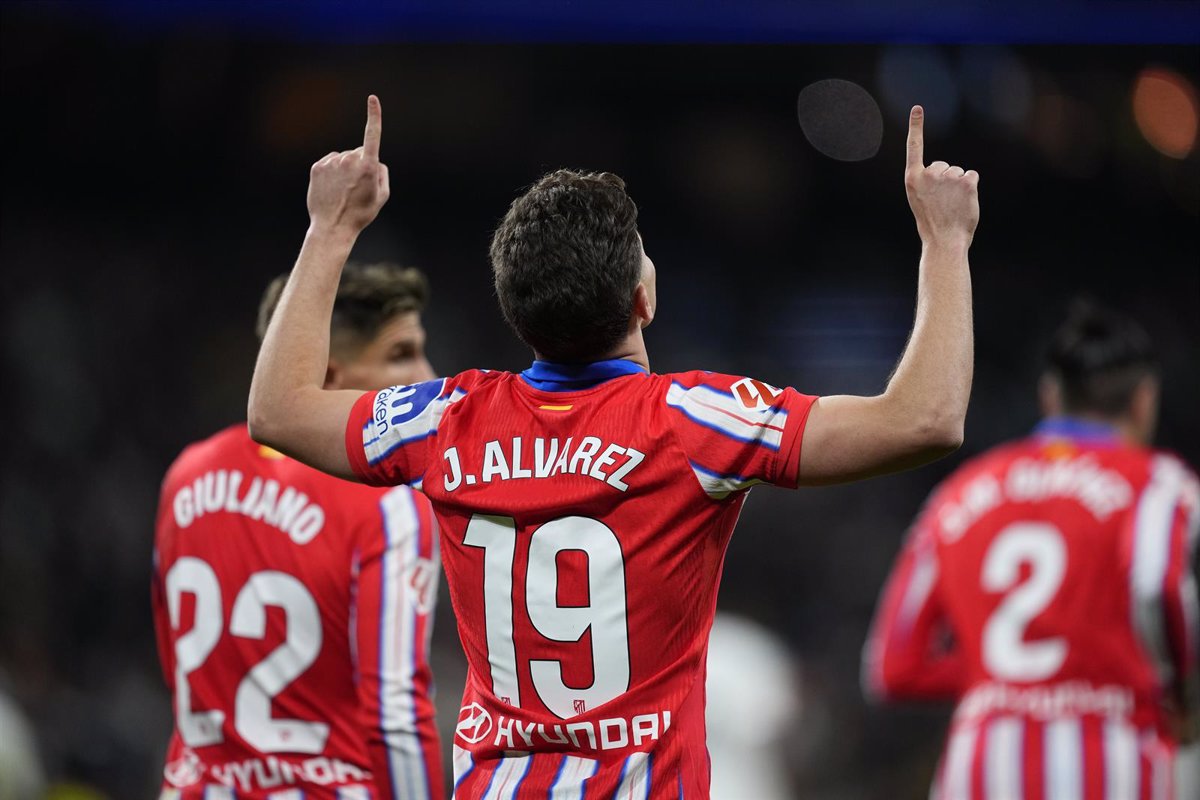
(916, 138)
(374, 131)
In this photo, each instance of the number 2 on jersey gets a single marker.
(269, 677)
(604, 615)
(1006, 654)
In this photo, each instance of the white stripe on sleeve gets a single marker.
(397, 703)
(353, 793)
(1063, 759)
(218, 793)
(1151, 557)
(723, 413)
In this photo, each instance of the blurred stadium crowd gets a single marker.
(153, 184)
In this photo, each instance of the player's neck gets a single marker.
(632, 348)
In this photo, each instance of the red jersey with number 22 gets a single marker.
(585, 512)
(293, 613)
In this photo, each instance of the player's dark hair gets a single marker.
(368, 296)
(567, 260)
(1099, 357)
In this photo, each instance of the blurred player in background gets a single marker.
(1047, 588)
(586, 503)
(293, 609)
(753, 710)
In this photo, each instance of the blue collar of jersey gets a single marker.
(1085, 430)
(551, 377)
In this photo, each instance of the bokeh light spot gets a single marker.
(1166, 111)
(841, 119)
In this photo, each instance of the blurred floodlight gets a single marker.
(996, 83)
(840, 119)
(909, 75)
(1166, 111)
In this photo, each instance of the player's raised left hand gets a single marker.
(347, 189)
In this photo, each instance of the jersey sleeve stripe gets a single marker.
(397, 663)
(715, 412)
(353, 793)
(1151, 558)
(396, 434)
(720, 486)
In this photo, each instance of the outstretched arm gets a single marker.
(289, 408)
(920, 416)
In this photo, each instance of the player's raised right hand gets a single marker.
(944, 199)
(347, 189)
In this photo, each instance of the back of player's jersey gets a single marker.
(1051, 560)
(256, 569)
(585, 514)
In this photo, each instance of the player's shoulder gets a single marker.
(475, 379)
(740, 392)
(1171, 466)
(199, 455)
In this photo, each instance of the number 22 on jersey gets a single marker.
(604, 615)
(267, 678)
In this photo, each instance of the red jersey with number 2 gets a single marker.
(585, 512)
(1046, 588)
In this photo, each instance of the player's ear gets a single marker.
(1049, 396)
(643, 305)
(1143, 407)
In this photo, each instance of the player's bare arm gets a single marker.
(289, 408)
(919, 417)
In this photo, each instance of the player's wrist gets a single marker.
(332, 233)
(949, 243)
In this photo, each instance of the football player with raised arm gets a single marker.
(293, 609)
(585, 503)
(1046, 587)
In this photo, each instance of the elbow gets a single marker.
(259, 422)
(940, 433)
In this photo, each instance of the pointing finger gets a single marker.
(374, 131)
(916, 138)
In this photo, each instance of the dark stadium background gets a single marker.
(154, 171)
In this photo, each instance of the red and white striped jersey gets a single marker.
(584, 512)
(293, 613)
(1046, 588)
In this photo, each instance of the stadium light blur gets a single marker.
(1166, 110)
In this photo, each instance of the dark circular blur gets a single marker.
(840, 119)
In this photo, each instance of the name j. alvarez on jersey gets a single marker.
(515, 459)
